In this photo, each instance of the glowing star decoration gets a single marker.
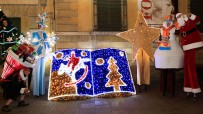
(141, 36)
(52, 39)
(114, 77)
(9, 39)
(24, 39)
(80, 74)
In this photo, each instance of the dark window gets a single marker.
(110, 15)
(197, 9)
(175, 5)
(16, 22)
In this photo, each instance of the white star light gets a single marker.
(9, 39)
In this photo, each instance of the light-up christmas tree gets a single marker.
(8, 35)
(114, 76)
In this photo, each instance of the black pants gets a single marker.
(11, 91)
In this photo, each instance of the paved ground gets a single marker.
(147, 102)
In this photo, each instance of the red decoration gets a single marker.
(25, 49)
(10, 65)
(39, 26)
(73, 60)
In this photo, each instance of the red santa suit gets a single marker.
(191, 39)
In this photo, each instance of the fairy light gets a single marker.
(94, 84)
(99, 71)
(141, 36)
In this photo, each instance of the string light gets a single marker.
(141, 36)
(94, 84)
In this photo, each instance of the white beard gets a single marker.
(181, 22)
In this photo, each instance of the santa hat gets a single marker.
(178, 14)
(184, 16)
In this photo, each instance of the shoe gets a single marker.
(195, 98)
(6, 108)
(188, 95)
(22, 103)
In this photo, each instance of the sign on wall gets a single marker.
(154, 11)
(86, 73)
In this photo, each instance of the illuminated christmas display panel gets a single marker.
(86, 73)
(70, 74)
(113, 73)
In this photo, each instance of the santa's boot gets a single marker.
(195, 97)
(188, 94)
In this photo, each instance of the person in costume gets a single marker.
(15, 85)
(191, 39)
(38, 79)
(168, 56)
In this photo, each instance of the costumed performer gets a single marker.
(168, 56)
(190, 39)
(15, 85)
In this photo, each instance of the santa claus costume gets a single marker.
(168, 56)
(191, 39)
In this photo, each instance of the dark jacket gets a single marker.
(12, 85)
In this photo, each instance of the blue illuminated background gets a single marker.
(96, 75)
(100, 72)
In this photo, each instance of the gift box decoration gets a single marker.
(10, 65)
(25, 50)
(14, 63)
